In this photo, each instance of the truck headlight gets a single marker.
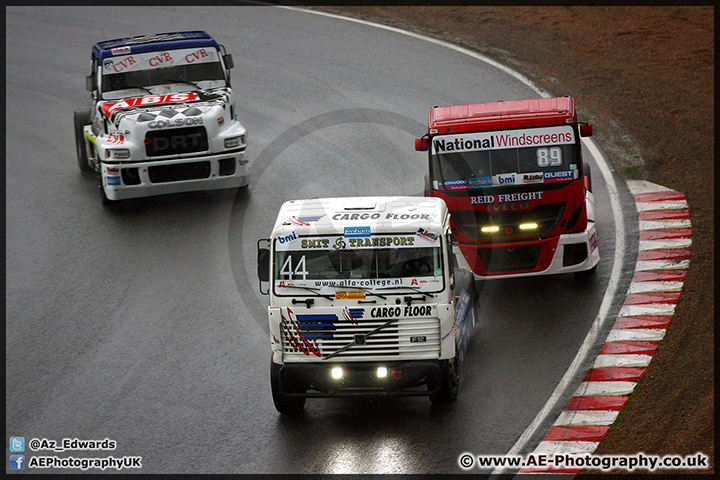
(118, 153)
(234, 142)
(528, 226)
(336, 372)
(490, 229)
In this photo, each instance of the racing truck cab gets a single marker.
(513, 177)
(163, 117)
(364, 299)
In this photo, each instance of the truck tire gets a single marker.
(283, 403)
(113, 206)
(449, 384)
(588, 175)
(81, 118)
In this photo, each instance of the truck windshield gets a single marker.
(501, 158)
(330, 264)
(161, 72)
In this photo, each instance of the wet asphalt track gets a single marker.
(145, 326)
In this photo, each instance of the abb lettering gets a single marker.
(108, 108)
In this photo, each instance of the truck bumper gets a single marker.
(575, 252)
(145, 179)
(402, 379)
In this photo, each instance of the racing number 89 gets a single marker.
(549, 157)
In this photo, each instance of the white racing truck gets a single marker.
(163, 118)
(364, 299)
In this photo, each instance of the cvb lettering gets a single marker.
(191, 57)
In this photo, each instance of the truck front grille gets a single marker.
(510, 259)
(179, 172)
(176, 141)
(313, 337)
(546, 216)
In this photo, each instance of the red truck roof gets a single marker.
(505, 114)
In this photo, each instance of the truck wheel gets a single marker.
(283, 403)
(81, 118)
(588, 175)
(114, 206)
(449, 383)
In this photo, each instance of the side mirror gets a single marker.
(422, 144)
(586, 130)
(263, 262)
(227, 58)
(89, 83)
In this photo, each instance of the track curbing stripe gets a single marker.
(662, 264)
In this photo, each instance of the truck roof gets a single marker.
(151, 43)
(330, 216)
(503, 114)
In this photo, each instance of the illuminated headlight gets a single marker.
(528, 226)
(490, 229)
(234, 142)
(381, 372)
(119, 153)
(337, 372)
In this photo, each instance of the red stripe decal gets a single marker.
(652, 297)
(597, 402)
(663, 254)
(614, 373)
(644, 321)
(577, 432)
(615, 348)
(665, 233)
(663, 275)
(664, 214)
(658, 196)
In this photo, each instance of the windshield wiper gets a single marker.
(186, 82)
(360, 339)
(138, 87)
(309, 289)
(416, 290)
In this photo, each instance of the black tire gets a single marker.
(114, 206)
(588, 174)
(81, 118)
(449, 384)
(283, 403)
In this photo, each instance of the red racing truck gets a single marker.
(519, 193)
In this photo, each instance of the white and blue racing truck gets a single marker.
(365, 298)
(163, 117)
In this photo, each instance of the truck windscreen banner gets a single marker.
(356, 238)
(499, 140)
(159, 59)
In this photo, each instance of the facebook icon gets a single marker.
(17, 462)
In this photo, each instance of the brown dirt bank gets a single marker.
(644, 76)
